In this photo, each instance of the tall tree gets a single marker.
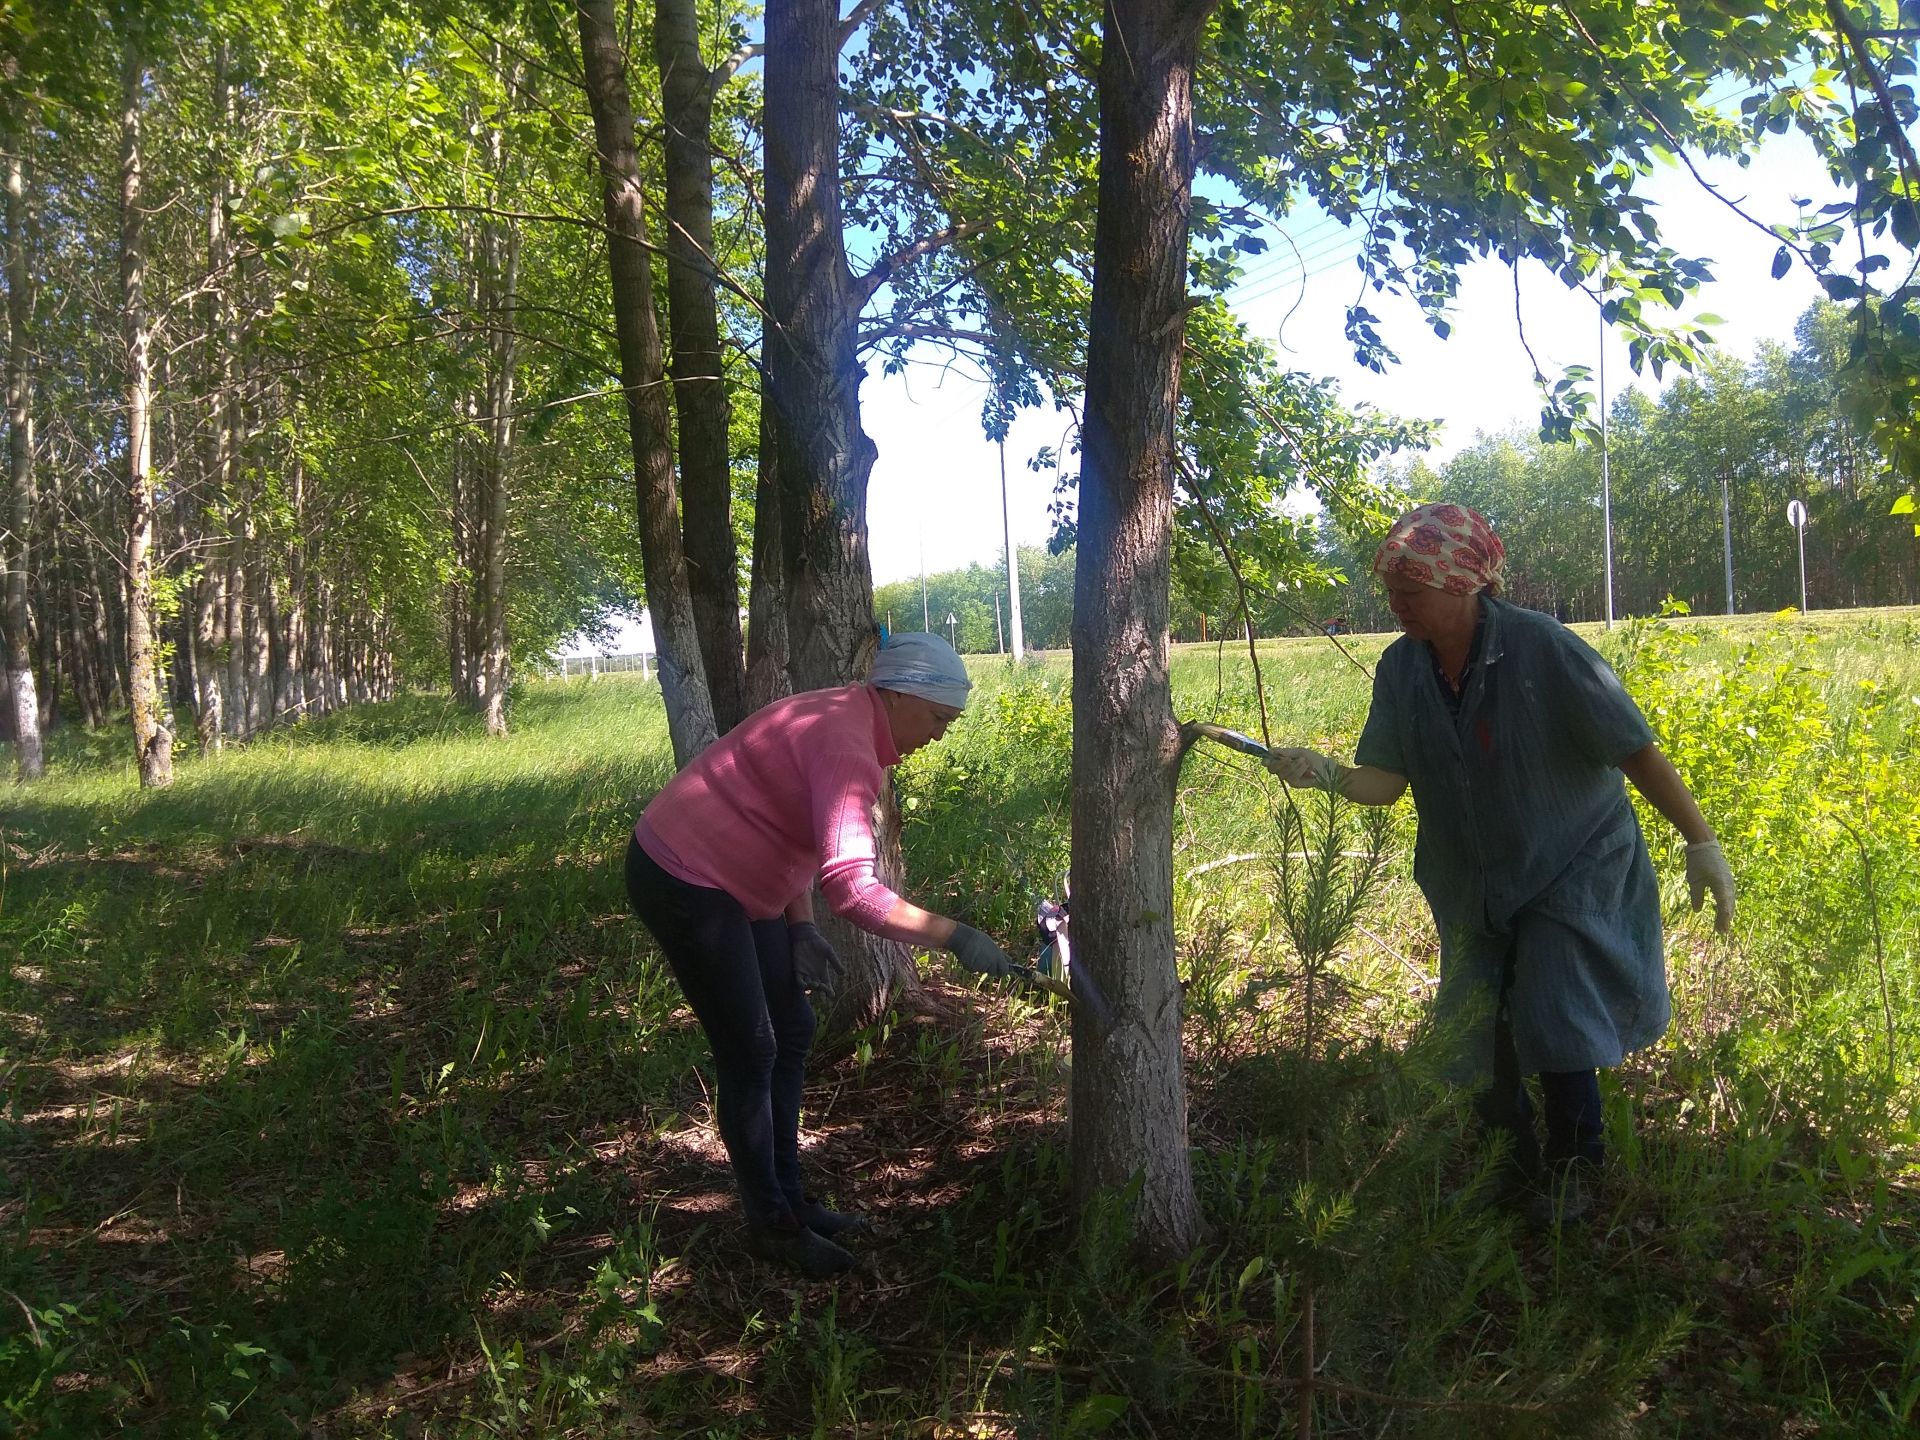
(683, 683)
(1129, 1100)
(699, 378)
(822, 458)
(152, 739)
(16, 557)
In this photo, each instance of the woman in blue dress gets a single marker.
(1513, 736)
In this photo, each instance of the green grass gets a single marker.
(342, 1097)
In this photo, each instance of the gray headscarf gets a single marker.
(923, 665)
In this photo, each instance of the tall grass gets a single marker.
(343, 1098)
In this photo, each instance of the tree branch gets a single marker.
(860, 15)
(883, 269)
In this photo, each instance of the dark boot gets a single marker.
(798, 1248)
(1569, 1198)
(832, 1224)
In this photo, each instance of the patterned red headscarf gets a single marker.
(1448, 547)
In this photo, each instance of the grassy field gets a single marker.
(343, 1098)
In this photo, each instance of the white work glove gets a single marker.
(1308, 769)
(815, 963)
(1707, 869)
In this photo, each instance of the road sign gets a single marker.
(1796, 515)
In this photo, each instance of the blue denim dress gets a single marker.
(1528, 849)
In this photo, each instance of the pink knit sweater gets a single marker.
(786, 794)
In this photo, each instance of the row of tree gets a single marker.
(387, 270)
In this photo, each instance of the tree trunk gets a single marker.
(699, 383)
(293, 693)
(500, 280)
(152, 741)
(822, 456)
(212, 629)
(767, 678)
(236, 631)
(16, 556)
(1129, 1090)
(259, 639)
(683, 682)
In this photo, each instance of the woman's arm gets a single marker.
(1362, 784)
(1653, 775)
(1368, 784)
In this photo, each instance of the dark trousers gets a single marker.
(737, 974)
(1569, 1098)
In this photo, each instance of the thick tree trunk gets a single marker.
(152, 741)
(16, 556)
(683, 682)
(822, 456)
(1129, 1090)
(699, 383)
(767, 678)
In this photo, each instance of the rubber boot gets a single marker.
(798, 1248)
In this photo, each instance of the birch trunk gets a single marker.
(152, 741)
(16, 558)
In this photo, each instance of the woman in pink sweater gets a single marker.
(722, 867)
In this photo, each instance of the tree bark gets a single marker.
(259, 636)
(822, 456)
(236, 633)
(16, 556)
(1129, 1090)
(152, 741)
(683, 681)
(767, 678)
(212, 629)
(699, 382)
(500, 279)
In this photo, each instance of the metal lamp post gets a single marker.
(1797, 518)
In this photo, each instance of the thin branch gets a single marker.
(1240, 584)
(1909, 165)
(1676, 146)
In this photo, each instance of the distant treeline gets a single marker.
(1766, 431)
(1758, 433)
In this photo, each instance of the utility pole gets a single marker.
(999, 630)
(1013, 562)
(1606, 476)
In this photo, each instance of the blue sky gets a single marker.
(936, 484)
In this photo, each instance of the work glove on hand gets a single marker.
(1308, 769)
(979, 954)
(815, 964)
(1707, 869)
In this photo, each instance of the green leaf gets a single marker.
(1903, 506)
(1096, 1413)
